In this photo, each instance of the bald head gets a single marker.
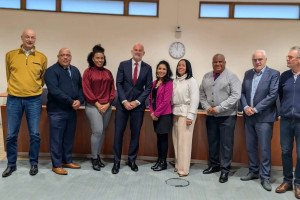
(137, 52)
(28, 38)
(62, 50)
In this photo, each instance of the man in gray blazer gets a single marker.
(258, 100)
(220, 92)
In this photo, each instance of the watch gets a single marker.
(177, 50)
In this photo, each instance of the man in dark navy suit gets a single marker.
(134, 82)
(259, 95)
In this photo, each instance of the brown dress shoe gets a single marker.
(60, 171)
(284, 187)
(71, 165)
(297, 192)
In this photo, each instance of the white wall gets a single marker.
(236, 39)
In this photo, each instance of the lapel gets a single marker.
(129, 71)
(65, 71)
(249, 90)
(141, 72)
(263, 78)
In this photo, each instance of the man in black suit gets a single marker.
(134, 82)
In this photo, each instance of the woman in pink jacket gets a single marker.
(161, 111)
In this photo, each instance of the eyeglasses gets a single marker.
(258, 59)
(290, 57)
(63, 55)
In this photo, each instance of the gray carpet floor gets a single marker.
(85, 184)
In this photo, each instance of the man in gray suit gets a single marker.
(219, 94)
(259, 95)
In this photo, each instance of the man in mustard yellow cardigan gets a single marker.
(25, 68)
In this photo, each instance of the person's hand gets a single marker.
(127, 105)
(103, 108)
(154, 118)
(209, 110)
(188, 121)
(214, 111)
(133, 104)
(249, 111)
(76, 104)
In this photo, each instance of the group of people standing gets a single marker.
(173, 106)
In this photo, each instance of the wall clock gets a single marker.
(177, 50)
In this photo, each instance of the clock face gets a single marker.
(177, 50)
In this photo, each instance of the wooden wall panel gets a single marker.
(147, 138)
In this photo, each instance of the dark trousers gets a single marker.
(162, 146)
(136, 121)
(259, 134)
(62, 132)
(220, 134)
(290, 131)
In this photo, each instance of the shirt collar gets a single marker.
(139, 63)
(64, 67)
(295, 74)
(261, 71)
(215, 73)
(27, 52)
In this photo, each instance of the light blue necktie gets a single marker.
(69, 71)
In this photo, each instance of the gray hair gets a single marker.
(261, 51)
(297, 48)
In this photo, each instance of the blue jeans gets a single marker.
(15, 108)
(290, 129)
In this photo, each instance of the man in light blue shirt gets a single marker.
(259, 95)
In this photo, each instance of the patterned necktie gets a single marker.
(135, 73)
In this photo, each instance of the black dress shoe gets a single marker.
(96, 165)
(211, 169)
(115, 168)
(8, 171)
(100, 162)
(223, 178)
(133, 166)
(33, 170)
(155, 165)
(161, 166)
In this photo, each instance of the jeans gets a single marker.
(290, 129)
(15, 109)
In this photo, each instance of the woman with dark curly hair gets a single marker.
(99, 91)
(161, 111)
